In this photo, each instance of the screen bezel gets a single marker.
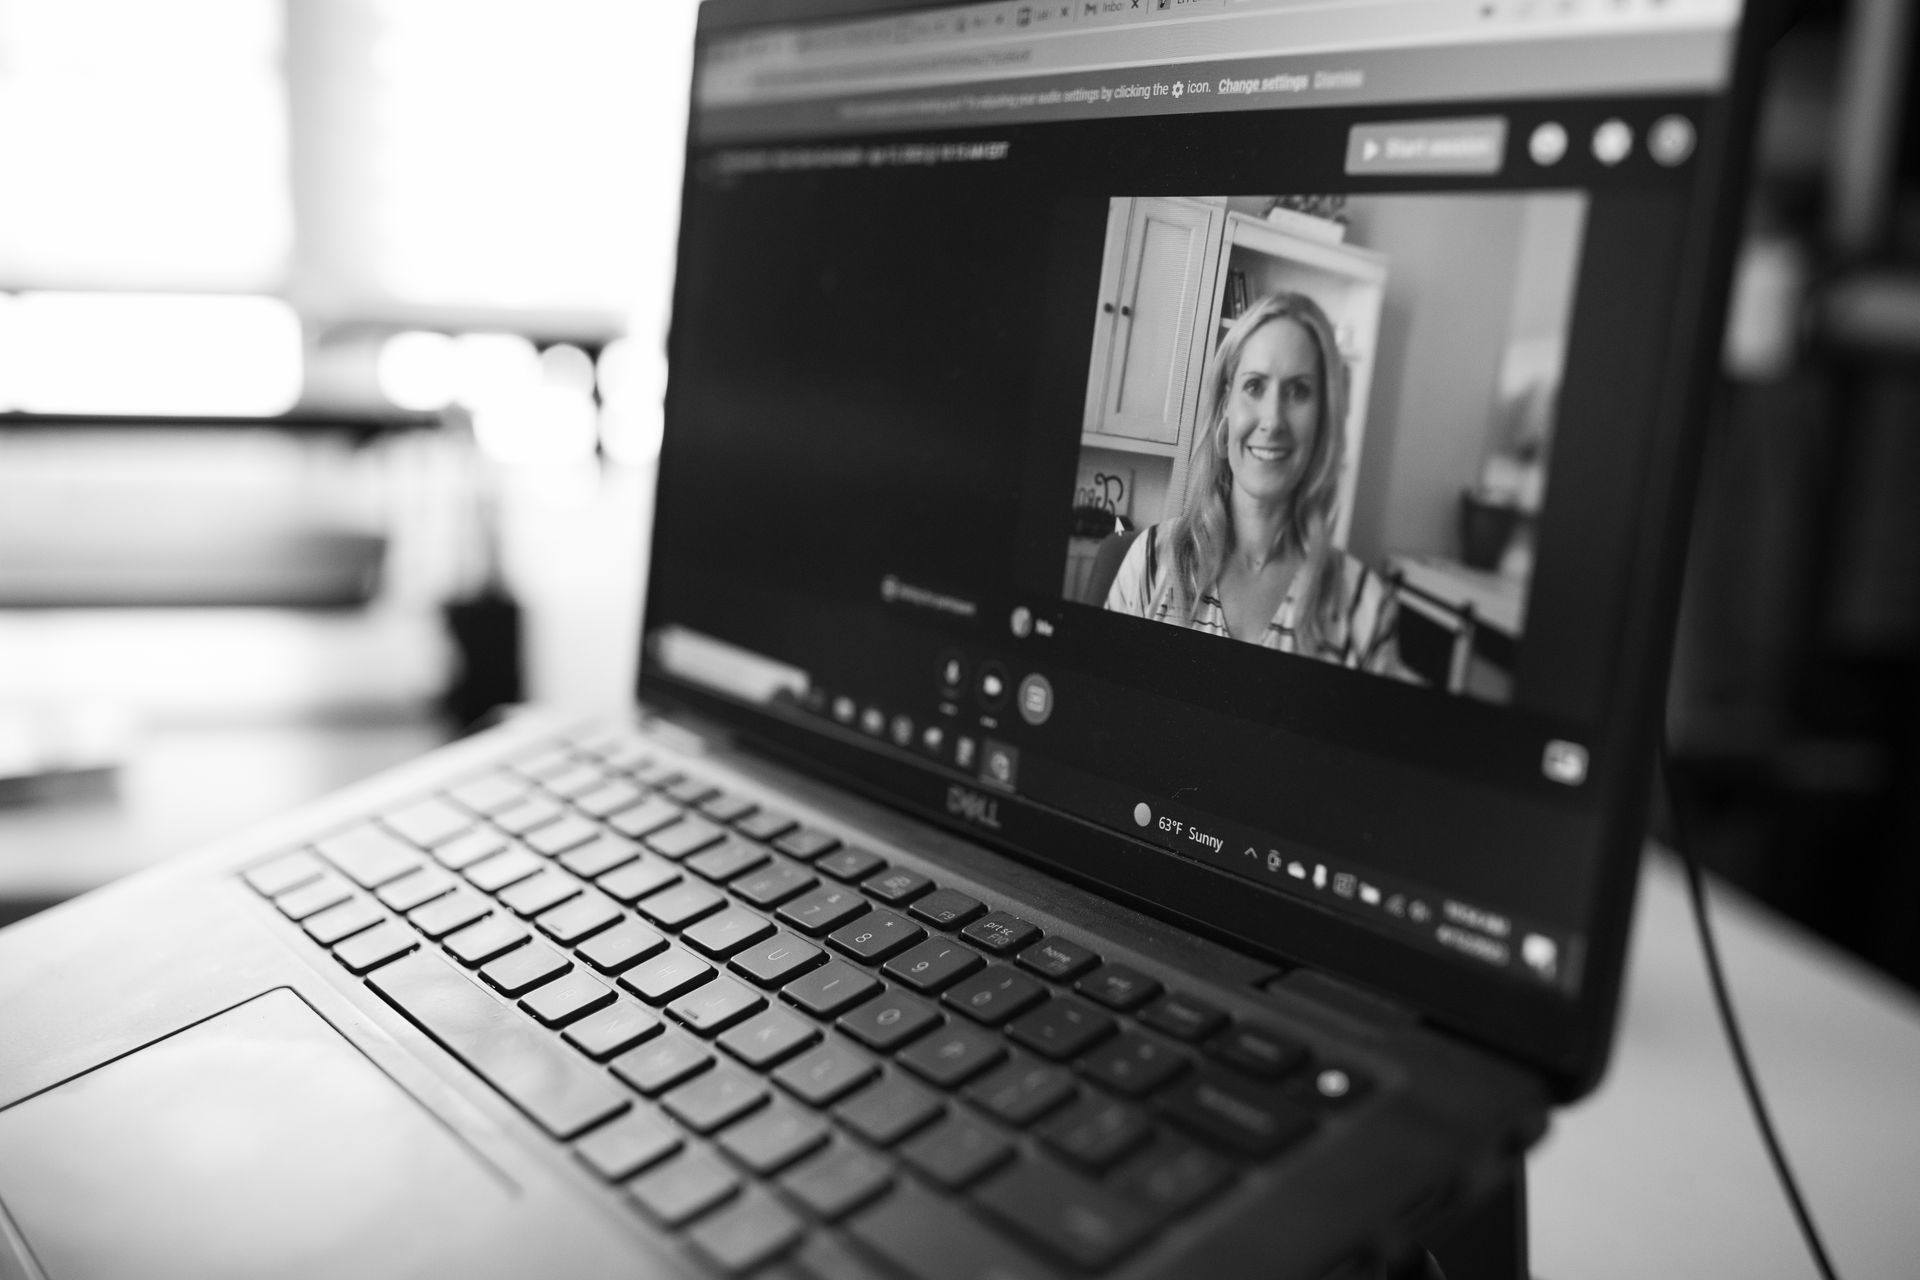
(1568, 1040)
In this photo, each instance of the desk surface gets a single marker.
(1662, 1173)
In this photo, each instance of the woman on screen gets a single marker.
(1252, 555)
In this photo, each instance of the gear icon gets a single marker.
(1178, 88)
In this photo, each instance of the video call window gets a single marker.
(1323, 424)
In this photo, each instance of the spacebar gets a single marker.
(561, 1092)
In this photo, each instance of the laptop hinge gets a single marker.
(1356, 1002)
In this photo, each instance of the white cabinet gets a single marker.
(1150, 331)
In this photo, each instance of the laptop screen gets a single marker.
(1217, 447)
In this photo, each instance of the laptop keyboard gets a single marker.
(773, 1040)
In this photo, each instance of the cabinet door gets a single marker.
(1151, 382)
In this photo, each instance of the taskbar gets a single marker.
(1527, 951)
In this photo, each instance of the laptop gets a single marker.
(1168, 527)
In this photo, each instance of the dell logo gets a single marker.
(974, 807)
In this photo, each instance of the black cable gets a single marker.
(1723, 1002)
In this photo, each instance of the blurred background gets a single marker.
(330, 369)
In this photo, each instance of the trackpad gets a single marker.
(259, 1142)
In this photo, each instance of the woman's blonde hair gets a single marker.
(1202, 537)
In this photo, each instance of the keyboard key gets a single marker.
(994, 996)
(953, 1055)
(1022, 1091)
(821, 1075)
(562, 1001)
(622, 947)
(688, 836)
(714, 1098)
(576, 780)
(933, 964)
(728, 931)
(415, 888)
(618, 1150)
(511, 866)
(464, 851)
(289, 871)
(428, 823)
(712, 1007)
(530, 813)
(340, 922)
(662, 1062)
(556, 838)
(1231, 1113)
(667, 976)
(947, 908)
(896, 885)
(629, 754)
(1118, 987)
(773, 962)
(773, 885)
(724, 861)
(544, 763)
(522, 970)
(876, 935)
(764, 824)
(935, 1239)
(680, 905)
(542, 891)
(1063, 1028)
(1183, 1017)
(773, 1139)
(478, 943)
(599, 856)
(838, 1180)
(369, 950)
(850, 864)
(684, 1187)
(579, 919)
(725, 807)
(1095, 1131)
(608, 798)
(490, 793)
(957, 1152)
(890, 1020)
(1059, 959)
(1257, 1052)
(1064, 1214)
(645, 818)
(559, 1091)
(805, 843)
(1133, 1064)
(747, 1234)
(821, 910)
(688, 789)
(825, 1256)
(885, 1112)
(639, 878)
(613, 1030)
(369, 856)
(1001, 932)
(831, 989)
(769, 1037)
(443, 916)
(313, 897)
(1171, 1176)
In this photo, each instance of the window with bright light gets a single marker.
(144, 145)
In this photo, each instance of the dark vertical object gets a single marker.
(486, 636)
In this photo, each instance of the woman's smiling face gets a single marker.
(1273, 409)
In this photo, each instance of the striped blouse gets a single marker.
(1361, 634)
